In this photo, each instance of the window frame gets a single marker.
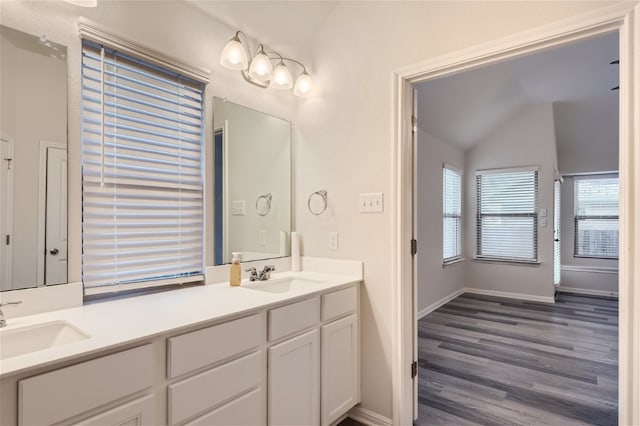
(577, 218)
(533, 215)
(457, 257)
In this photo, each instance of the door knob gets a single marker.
(54, 251)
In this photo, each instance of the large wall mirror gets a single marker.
(33, 175)
(252, 183)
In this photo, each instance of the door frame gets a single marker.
(8, 219)
(42, 205)
(622, 17)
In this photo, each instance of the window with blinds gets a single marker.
(142, 184)
(451, 214)
(596, 217)
(507, 221)
(556, 232)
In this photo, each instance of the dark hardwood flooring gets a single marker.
(493, 361)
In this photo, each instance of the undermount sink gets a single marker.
(281, 285)
(24, 340)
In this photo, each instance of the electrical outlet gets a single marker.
(543, 222)
(371, 202)
(333, 241)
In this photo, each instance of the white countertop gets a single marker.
(118, 322)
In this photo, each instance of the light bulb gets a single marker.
(281, 77)
(303, 85)
(261, 68)
(233, 55)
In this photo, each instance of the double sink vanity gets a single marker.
(283, 351)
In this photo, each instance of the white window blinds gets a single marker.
(596, 217)
(451, 214)
(142, 209)
(507, 219)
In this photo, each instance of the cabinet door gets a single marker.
(340, 368)
(140, 412)
(294, 381)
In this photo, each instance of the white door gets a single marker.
(556, 233)
(414, 249)
(6, 213)
(294, 381)
(56, 217)
(339, 368)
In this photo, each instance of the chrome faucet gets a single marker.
(3, 322)
(263, 275)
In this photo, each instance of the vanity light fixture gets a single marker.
(260, 69)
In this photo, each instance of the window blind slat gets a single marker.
(507, 215)
(142, 173)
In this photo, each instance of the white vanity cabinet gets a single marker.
(294, 362)
(68, 393)
(221, 371)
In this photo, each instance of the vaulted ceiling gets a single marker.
(577, 78)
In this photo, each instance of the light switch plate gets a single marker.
(333, 241)
(371, 202)
(543, 212)
(238, 208)
(262, 238)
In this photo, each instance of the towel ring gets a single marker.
(323, 196)
(266, 205)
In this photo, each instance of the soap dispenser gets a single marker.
(235, 272)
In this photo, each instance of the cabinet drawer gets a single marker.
(339, 302)
(200, 348)
(249, 410)
(294, 317)
(61, 394)
(140, 412)
(204, 391)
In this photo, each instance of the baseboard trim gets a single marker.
(432, 307)
(588, 292)
(369, 417)
(510, 295)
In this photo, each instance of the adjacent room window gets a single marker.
(451, 214)
(142, 183)
(507, 221)
(596, 217)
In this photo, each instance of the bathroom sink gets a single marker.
(24, 340)
(281, 285)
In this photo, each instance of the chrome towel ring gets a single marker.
(322, 195)
(263, 208)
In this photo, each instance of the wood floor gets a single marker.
(493, 361)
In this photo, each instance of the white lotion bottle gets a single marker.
(295, 252)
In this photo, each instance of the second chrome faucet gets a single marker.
(263, 275)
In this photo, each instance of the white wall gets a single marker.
(584, 274)
(435, 281)
(527, 139)
(344, 136)
(34, 108)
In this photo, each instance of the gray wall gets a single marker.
(435, 281)
(527, 139)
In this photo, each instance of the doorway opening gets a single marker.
(588, 26)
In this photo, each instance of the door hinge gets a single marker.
(414, 247)
(7, 239)
(414, 369)
(414, 124)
